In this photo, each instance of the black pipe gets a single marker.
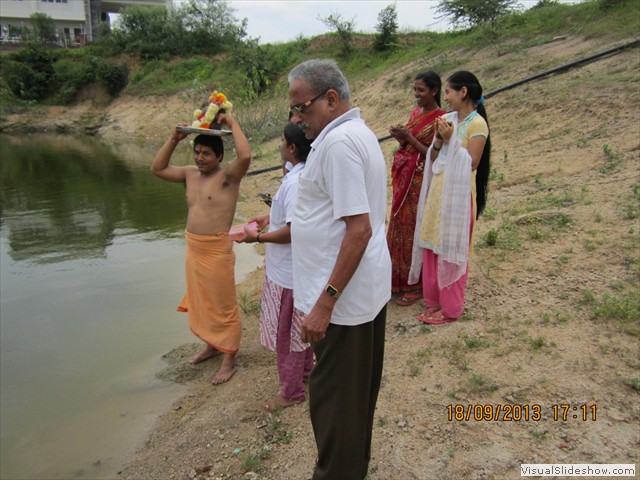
(264, 170)
(562, 68)
(490, 94)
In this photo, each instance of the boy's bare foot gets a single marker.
(280, 401)
(227, 369)
(205, 354)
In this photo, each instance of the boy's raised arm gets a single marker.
(160, 166)
(237, 168)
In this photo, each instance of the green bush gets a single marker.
(114, 77)
(20, 80)
(69, 76)
(263, 64)
(28, 72)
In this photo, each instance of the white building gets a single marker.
(76, 20)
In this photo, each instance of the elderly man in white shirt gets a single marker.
(341, 266)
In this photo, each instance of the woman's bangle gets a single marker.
(258, 237)
(436, 148)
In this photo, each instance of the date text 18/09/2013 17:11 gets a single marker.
(514, 412)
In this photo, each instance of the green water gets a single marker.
(91, 271)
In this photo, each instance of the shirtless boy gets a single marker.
(212, 193)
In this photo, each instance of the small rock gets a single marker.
(203, 469)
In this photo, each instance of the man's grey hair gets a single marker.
(320, 76)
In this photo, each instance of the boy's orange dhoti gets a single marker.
(211, 291)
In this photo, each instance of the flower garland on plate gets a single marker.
(217, 102)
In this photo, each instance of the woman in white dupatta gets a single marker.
(453, 195)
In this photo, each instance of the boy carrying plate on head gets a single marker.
(212, 193)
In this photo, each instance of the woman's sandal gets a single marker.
(408, 299)
(434, 317)
(427, 313)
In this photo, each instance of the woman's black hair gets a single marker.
(474, 90)
(211, 141)
(432, 80)
(294, 135)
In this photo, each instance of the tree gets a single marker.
(18, 31)
(211, 24)
(146, 31)
(344, 29)
(546, 3)
(387, 28)
(43, 29)
(475, 12)
(194, 27)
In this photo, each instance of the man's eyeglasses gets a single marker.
(300, 109)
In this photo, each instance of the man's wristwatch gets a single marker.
(333, 291)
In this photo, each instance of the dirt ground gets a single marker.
(550, 330)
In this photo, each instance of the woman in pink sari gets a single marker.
(406, 175)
